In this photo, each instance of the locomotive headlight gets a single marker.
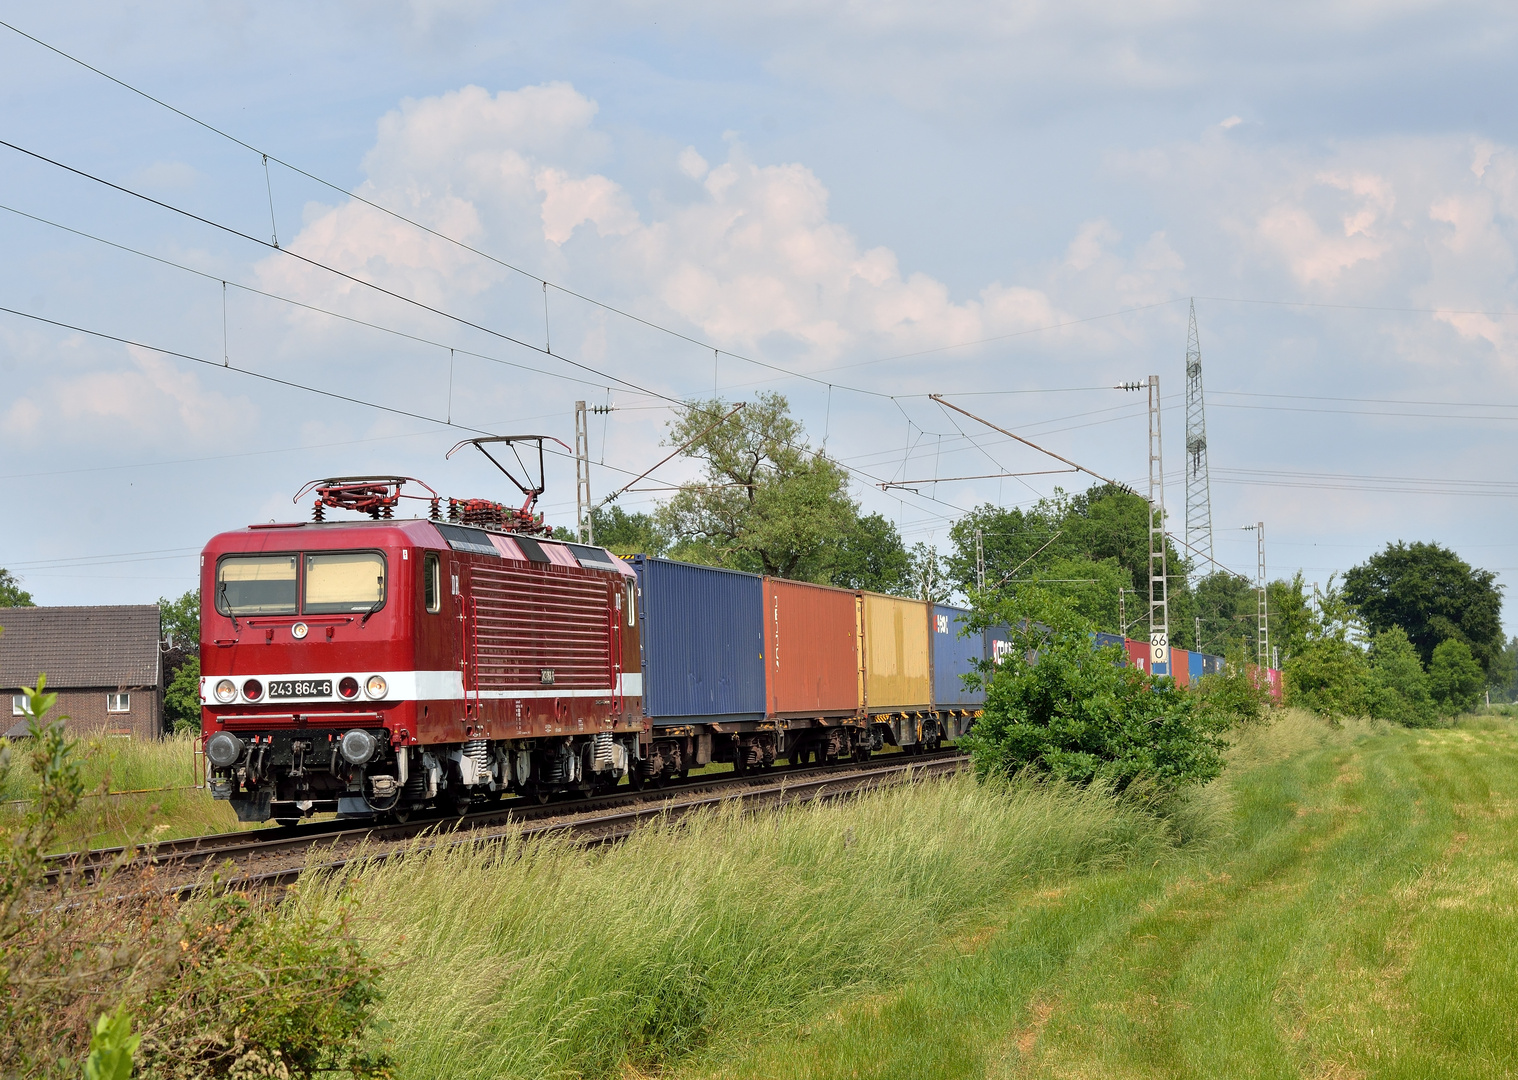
(298, 631)
(226, 691)
(252, 689)
(376, 687)
(224, 749)
(357, 746)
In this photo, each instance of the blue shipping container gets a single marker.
(953, 657)
(998, 642)
(1198, 666)
(703, 642)
(1106, 641)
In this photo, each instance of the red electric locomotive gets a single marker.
(372, 667)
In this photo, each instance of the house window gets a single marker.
(118, 703)
(18, 704)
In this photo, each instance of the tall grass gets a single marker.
(543, 958)
(142, 767)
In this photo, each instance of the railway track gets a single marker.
(275, 857)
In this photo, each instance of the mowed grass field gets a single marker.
(1359, 920)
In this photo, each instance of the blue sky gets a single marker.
(818, 187)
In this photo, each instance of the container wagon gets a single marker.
(813, 676)
(955, 653)
(702, 637)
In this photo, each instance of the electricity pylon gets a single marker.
(1198, 499)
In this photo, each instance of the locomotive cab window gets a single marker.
(432, 582)
(256, 585)
(344, 582)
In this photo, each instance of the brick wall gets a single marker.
(86, 710)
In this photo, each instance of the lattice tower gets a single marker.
(1198, 497)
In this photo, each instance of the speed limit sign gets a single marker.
(1159, 650)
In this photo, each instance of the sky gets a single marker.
(373, 230)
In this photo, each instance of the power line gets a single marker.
(322, 266)
(225, 281)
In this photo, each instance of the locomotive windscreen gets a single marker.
(256, 585)
(344, 581)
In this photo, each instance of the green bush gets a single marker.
(1398, 685)
(223, 985)
(1329, 676)
(1056, 705)
(1237, 692)
(1454, 677)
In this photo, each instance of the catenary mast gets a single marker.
(1198, 499)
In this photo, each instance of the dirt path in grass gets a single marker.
(1362, 921)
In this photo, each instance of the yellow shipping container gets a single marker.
(895, 636)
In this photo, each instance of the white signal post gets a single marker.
(584, 530)
(1159, 609)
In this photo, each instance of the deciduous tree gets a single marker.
(11, 592)
(1433, 595)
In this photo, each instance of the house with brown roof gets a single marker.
(104, 663)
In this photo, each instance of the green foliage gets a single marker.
(181, 699)
(1398, 685)
(11, 592)
(59, 787)
(1454, 677)
(1291, 615)
(622, 533)
(1229, 611)
(1329, 676)
(258, 991)
(179, 620)
(1237, 692)
(1432, 594)
(1084, 716)
(1101, 534)
(542, 958)
(1504, 673)
(1329, 672)
(770, 504)
(111, 1047)
(871, 556)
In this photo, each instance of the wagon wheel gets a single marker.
(287, 822)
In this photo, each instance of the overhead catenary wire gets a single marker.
(251, 290)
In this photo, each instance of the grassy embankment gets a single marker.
(127, 765)
(1355, 912)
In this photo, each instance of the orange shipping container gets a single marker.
(812, 641)
(896, 673)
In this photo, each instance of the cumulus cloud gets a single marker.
(752, 255)
(152, 401)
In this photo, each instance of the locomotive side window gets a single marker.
(432, 582)
(343, 582)
(256, 585)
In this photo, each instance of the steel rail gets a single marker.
(255, 843)
(605, 828)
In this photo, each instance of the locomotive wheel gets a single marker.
(461, 804)
(400, 815)
(542, 794)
